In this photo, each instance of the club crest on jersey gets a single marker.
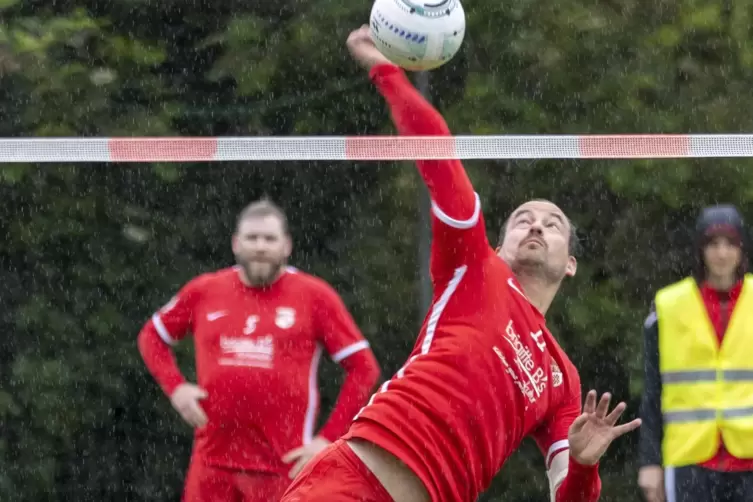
(285, 317)
(250, 326)
(556, 375)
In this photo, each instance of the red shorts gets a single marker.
(336, 475)
(205, 483)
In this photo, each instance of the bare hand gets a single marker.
(651, 482)
(185, 400)
(363, 50)
(303, 454)
(593, 431)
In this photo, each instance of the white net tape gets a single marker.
(373, 148)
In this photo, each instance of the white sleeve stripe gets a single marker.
(349, 350)
(459, 224)
(162, 330)
(556, 447)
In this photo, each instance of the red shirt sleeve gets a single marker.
(346, 346)
(582, 483)
(167, 326)
(458, 225)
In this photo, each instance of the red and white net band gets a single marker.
(372, 148)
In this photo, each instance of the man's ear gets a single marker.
(234, 243)
(572, 266)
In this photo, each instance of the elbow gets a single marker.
(143, 341)
(373, 373)
(363, 368)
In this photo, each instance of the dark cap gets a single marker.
(722, 220)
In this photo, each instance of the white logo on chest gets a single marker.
(213, 316)
(537, 338)
(284, 317)
(527, 375)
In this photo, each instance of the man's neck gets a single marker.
(721, 283)
(540, 292)
(244, 278)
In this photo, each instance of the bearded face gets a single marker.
(261, 247)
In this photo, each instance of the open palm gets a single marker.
(594, 430)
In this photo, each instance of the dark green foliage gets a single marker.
(89, 251)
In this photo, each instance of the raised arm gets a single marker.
(458, 226)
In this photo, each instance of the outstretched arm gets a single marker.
(458, 226)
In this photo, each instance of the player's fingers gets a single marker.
(653, 495)
(190, 418)
(193, 418)
(297, 468)
(616, 413)
(199, 417)
(625, 428)
(292, 455)
(590, 404)
(579, 422)
(359, 34)
(649, 495)
(603, 406)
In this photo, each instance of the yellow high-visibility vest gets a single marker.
(705, 388)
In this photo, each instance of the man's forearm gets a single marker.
(450, 188)
(362, 373)
(159, 359)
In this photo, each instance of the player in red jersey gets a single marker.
(485, 371)
(259, 328)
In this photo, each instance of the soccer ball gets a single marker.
(415, 34)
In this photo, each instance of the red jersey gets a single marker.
(485, 372)
(257, 355)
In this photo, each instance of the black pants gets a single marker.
(696, 484)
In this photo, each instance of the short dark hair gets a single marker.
(261, 209)
(574, 247)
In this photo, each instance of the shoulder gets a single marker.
(309, 282)
(211, 280)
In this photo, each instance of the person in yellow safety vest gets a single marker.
(696, 442)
